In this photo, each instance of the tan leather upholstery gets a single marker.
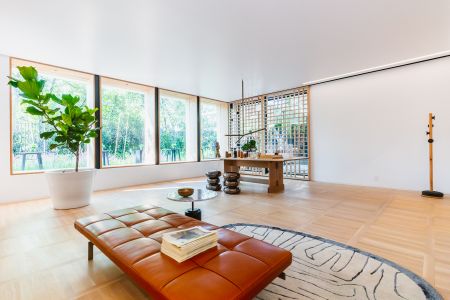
(238, 268)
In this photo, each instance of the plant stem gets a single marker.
(77, 159)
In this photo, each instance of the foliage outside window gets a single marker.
(213, 122)
(127, 123)
(177, 123)
(29, 151)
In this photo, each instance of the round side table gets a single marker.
(199, 195)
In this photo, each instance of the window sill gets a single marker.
(177, 162)
(14, 173)
(126, 166)
(27, 173)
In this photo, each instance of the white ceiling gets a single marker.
(205, 47)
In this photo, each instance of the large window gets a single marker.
(29, 151)
(177, 127)
(213, 126)
(127, 120)
(188, 129)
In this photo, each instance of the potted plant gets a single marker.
(72, 125)
(249, 147)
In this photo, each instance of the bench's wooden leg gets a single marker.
(90, 251)
(282, 276)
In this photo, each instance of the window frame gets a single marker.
(52, 69)
(150, 114)
(192, 107)
(222, 126)
(95, 147)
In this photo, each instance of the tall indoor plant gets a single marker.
(72, 125)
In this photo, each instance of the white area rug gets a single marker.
(325, 269)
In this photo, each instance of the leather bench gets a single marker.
(239, 268)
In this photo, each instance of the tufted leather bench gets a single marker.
(239, 268)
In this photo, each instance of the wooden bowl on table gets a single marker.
(185, 192)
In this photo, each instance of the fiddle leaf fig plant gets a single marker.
(71, 123)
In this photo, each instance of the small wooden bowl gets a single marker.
(185, 192)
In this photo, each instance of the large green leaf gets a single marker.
(69, 100)
(53, 111)
(53, 98)
(60, 139)
(48, 134)
(28, 73)
(53, 146)
(34, 111)
(30, 102)
(67, 119)
(13, 82)
(29, 89)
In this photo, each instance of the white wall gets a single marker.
(367, 130)
(370, 130)
(33, 186)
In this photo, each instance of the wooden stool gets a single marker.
(213, 180)
(231, 183)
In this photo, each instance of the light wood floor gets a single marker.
(43, 257)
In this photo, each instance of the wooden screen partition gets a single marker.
(285, 115)
(246, 116)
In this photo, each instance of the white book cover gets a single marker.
(185, 236)
(192, 245)
(180, 258)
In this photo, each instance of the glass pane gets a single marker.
(30, 152)
(172, 124)
(126, 132)
(209, 116)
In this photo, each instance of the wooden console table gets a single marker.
(275, 167)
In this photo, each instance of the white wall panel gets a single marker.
(370, 129)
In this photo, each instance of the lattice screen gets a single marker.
(285, 116)
(246, 117)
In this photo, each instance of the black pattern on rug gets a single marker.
(325, 269)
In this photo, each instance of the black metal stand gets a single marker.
(195, 213)
(432, 194)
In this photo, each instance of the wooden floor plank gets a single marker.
(43, 257)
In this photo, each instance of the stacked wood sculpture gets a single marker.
(213, 180)
(231, 182)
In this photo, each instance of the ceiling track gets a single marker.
(428, 58)
(385, 68)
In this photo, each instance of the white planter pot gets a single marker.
(70, 189)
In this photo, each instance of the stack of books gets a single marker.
(184, 244)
